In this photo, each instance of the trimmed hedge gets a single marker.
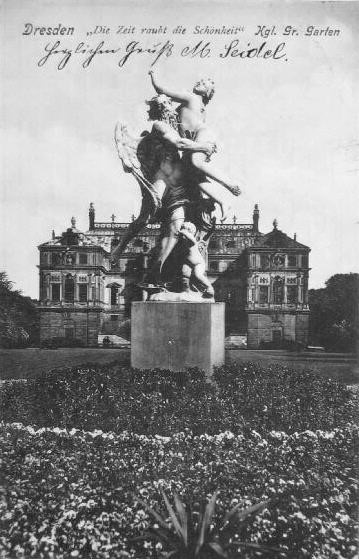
(116, 398)
(277, 397)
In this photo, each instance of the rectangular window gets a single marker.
(277, 337)
(264, 261)
(55, 258)
(131, 266)
(69, 290)
(83, 258)
(278, 291)
(55, 292)
(83, 293)
(69, 333)
(292, 260)
(114, 295)
(292, 294)
(305, 261)
(213, 244)
(263, 294)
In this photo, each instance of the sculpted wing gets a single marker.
(137, 157)
(127, 148)
(137, 160)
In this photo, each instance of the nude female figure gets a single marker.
(191, 125)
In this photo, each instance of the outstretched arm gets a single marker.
(183, 144)
(213, 173)
(178, 96)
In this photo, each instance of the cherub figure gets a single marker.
(191, 125)
(193, 261)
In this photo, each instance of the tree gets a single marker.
(19, 322)
(334, 313)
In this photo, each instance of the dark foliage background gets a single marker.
(334, 313)
(19, 319)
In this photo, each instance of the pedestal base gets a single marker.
(177, 336)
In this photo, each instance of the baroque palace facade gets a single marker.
(262, 278)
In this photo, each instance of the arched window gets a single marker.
(115, 289)
(69, 289)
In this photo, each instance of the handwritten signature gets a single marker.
(64, 55)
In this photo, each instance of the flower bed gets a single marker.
(255, 434)
(73, 493)
(115, 398)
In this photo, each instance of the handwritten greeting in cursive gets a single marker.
(202, 49)
(63, 55)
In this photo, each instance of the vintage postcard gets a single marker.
(195, 161)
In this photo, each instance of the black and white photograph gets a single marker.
(179, 279)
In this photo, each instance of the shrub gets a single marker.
(276, 397)
(12, 336)
(117, 398)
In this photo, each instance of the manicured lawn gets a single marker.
(337, 366)
(23, 363)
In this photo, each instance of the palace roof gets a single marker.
(277, 239)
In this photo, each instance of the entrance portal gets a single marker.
(277, 338)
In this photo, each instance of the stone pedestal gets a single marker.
(177, 335)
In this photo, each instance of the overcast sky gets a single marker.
(287, 129)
